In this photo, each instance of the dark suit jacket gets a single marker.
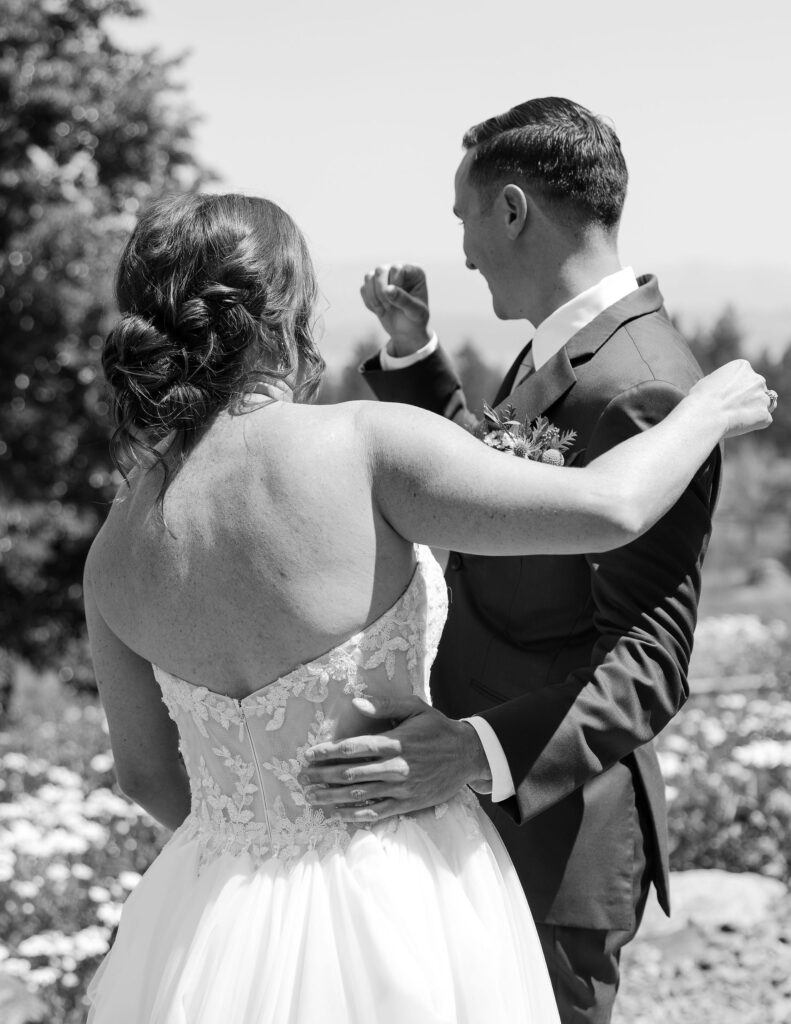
(577, 662)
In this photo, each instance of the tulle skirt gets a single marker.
(420, 920)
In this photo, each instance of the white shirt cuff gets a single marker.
(502, 781)
(388, 362)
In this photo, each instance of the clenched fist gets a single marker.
(397, 293)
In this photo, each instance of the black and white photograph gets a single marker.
(395, 513)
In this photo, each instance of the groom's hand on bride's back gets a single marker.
(422, 761)
(397, 294)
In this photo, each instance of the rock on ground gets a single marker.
(723, 958)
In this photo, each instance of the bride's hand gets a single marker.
(738, 394)
(397, 294)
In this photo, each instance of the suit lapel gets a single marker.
(508, 380)
(556, 377)
(588, 341)
(543, 388)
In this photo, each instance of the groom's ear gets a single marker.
(516, 209)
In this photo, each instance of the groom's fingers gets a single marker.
(356, 747)
(395, 273)
(381, 283)
(376, 812)
(412, 307)
(344, 774)
(370, 299)
(410, 277)
(352, 796)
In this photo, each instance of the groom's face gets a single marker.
(484, 244)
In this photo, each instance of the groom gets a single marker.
(554, 673)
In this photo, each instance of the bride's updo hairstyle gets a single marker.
(216, 294)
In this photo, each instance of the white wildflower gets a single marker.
(678, 744)
(49, 944)
(102, 763)
(25, 890)
(732, 701)
(16, 966)
(91, 941)
(15, 762)
(670, 763)
(109, 913)
(7, 862)
(713, 732)
(64, 777)
(43, 977)
(764, 754)
(104, 803)
(57, 872)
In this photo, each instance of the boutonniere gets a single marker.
(539, 440)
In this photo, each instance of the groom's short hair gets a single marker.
(561, 149)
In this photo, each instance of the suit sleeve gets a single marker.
(431, 384)
(645, 598)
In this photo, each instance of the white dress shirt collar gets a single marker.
(561, 326)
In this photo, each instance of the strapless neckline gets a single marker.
(261, 903)
(283, 680)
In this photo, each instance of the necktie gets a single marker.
(526, 368)
(516, 369)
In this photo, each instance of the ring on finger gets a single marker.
(772, 396)
(357, 795)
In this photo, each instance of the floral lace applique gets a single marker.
(224, 816)
(246, 797)
(195, 700)
(286, 770)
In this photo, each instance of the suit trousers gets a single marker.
(584, 963)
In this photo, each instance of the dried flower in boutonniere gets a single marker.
(539, 440)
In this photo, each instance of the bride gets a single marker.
(260, 572)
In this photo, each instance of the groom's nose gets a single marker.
(469, 264)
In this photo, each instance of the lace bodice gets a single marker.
(243, 756)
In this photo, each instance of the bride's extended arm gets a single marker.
(437, 485)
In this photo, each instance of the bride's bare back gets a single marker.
(289, 528)
(272, 549)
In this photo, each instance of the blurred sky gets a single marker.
(350, 114)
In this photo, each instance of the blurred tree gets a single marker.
(756, 497)
(778, 376)
(720, 343)
(480, 380)
(349, 385)
(89, 133)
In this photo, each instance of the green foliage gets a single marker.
(89, 134)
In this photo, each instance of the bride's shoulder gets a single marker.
(381, 424)
(315, 419)
(391, 415)
(368, 428)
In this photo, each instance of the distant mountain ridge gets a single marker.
(696, 294)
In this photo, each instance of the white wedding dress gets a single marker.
(261, 910)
